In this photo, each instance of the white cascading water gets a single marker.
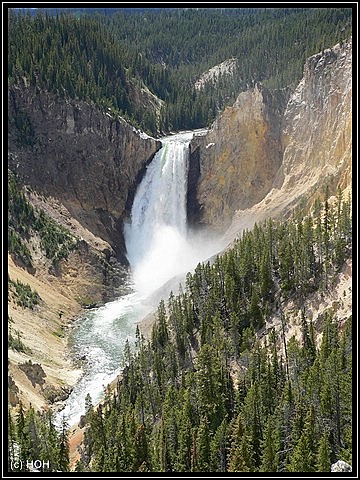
(156, 239)
(159, 247)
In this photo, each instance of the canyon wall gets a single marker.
(87, 159)
(239, 157)
(271, 150)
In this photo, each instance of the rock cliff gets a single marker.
(88, 160)
(317, 136)
(265, 154)
(239, 157)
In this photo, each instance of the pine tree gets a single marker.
(327, 228)
(202, 463)
(32, 429)
(64, 447)
(302, 459)
(256, 316)
(141, 450)
(323, 461)
(266, 282)
(186, 421)
(160, 333)
(241, 451)
(241, 458)
(49, 440)
(11, 440)
(23, 437)
(253, 415)
(209, 385)
(270, 447)
(219, 448)
(308, 341)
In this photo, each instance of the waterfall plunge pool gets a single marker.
(159, 247)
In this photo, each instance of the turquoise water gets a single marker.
(98, 339)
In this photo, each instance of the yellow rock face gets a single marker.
(239, 157)
(269, 150)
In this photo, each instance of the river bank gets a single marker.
(41, 371)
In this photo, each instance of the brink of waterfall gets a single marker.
(159, 247)
(157, 239)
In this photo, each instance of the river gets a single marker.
(159, 247)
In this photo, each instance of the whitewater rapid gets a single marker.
(159, 247)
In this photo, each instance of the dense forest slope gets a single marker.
(244, 372)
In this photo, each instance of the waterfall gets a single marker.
(156, 238)
(159, 247)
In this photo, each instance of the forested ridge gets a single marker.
(209, 393)
(102, 57)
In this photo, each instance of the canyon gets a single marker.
(270, 152)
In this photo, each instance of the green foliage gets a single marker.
(106, 58)
(20, 211)
(204, 395)
(25, 220)
(56, 240)
(324, 455)
(270, 448)
(33, 436)
(23, 295)
(270, 46)
(26, 134)
(15, 342)
(18, 248)
(302, 458)
(59, 332)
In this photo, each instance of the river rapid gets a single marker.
(159, 247)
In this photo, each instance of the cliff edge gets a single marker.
(272, 150)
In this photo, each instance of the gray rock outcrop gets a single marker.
(341, 466)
